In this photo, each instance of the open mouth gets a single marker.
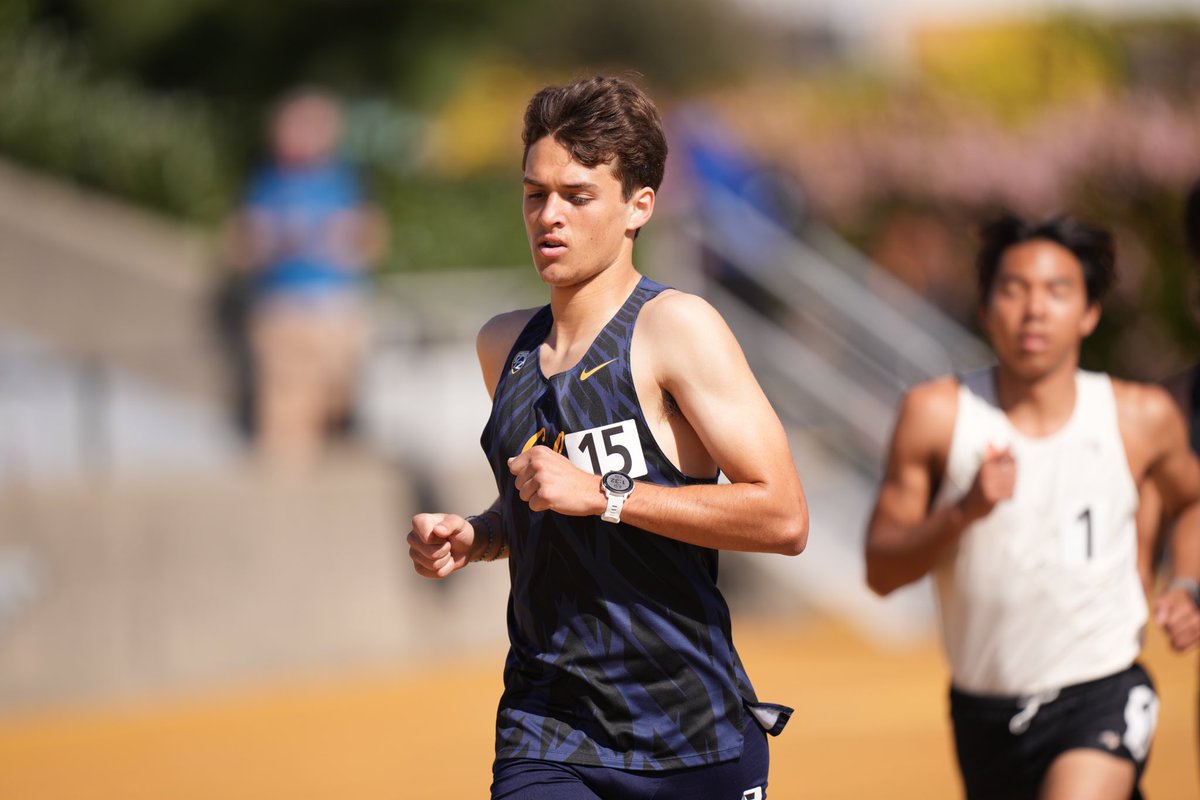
(551, 246)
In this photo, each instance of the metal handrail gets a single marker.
(884, 315)
(790, 368)
(855, 339)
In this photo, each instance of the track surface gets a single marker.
(868, 724)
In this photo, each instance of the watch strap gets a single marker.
(612, 513)
(1189, 585)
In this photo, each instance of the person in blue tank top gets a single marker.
(615, 409)
(305, 237)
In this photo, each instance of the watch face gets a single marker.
(617, 482)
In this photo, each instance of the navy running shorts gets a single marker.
(535, 779)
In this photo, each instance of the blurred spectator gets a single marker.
(304, 239)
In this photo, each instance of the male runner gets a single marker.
(615, 408)
(1017, 487)
(1184, 389)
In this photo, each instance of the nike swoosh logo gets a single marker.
(587, 373)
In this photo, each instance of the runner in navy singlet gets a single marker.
(615, 408)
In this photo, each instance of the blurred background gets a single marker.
(245, 250)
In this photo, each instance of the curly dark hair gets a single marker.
(601, 120)
(1091, 245)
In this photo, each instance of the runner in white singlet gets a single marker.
(1017, 487)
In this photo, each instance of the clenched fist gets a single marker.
(1176, 613)
(440, 544)
(995, 482)
(548, 481)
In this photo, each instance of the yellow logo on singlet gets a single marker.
(540, 438)
(587, 373)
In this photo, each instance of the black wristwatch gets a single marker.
(1189, 585)
(617, 486)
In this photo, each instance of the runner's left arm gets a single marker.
(1174, 473)
(697, 360)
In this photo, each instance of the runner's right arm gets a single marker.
(441, 544)
(905, 539)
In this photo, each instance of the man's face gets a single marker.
(1038, 312)
(306, 131)
(576, 218)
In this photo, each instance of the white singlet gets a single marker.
(1044, 591)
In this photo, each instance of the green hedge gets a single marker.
(159, 150)
(473, 222)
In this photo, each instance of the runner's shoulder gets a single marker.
(1146, 407)
(676, 312)
(499, 334)
(496, 338)
(925, 425)
(934, 398)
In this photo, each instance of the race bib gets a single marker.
(609, 448)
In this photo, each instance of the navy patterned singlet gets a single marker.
(620, 647)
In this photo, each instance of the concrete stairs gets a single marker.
(128, 588)
(104, 283)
